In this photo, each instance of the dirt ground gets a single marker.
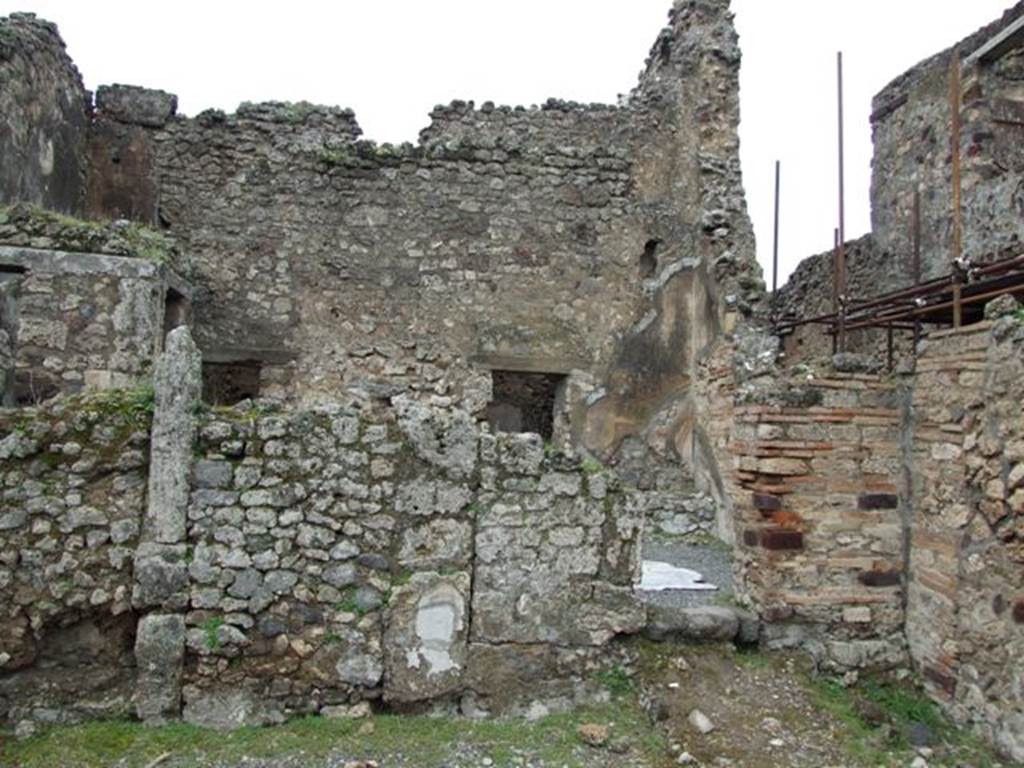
(769, 710)
(759, 710)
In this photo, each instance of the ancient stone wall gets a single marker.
(91, 301)
(282, 561)
(603, 243)
(808, 293)
(964, 620)
(911, 127)
(818, 516)
(878, 519)
(45, 117)
(72, 490)
(608, 245)
(8, 336)
(341, 555)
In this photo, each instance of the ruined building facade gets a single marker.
(413, 406)
(417, 365)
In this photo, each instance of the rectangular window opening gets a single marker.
(524, 402)
(176, 309)
(230, 383)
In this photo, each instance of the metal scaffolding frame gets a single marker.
(954, 299)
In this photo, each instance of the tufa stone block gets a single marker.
(159, 656)
(877, 501)
(427, 635)
(780, 539)
(879, 578)
(1018, 611)
(136, 106)
(767, 502)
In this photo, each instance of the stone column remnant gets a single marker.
(161, 576)
(159, 656)
(8, 355)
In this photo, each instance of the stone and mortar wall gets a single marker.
(340, 555)
(43, 117)
(965, 612)
(8, 337)
(607, 243)
(90, 306)
(604, 242)
(72, 489)
(911, 128)
(808, 293)
(284, 561)
(818, 523)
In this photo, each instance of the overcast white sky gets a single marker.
(392, 60)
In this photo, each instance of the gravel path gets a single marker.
(713, 563)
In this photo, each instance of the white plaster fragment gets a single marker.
(656, 576)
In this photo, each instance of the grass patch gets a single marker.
(78, 235)
(616, 681)
(210, 629)
(552, 740)
(725, 599)
(751, 657)
(135, 403)
(349, 604)
(900, 706)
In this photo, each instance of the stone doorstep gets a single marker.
(707, 624)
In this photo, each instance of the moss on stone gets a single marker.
(31, 226)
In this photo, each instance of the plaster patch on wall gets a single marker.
(439, 618)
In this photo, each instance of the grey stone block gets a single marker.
(159, 656)
(137, 106)
(708, 623)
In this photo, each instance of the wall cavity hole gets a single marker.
(524, 402)
(176, 309)
(230, 383)
(649, 259)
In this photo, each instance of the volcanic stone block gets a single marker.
(426, 640)
(707, 623)
(176, 383)
(877, 578)
(782, 539)
(135, 105)
(159, 655)
(878, 501)
(766, 502)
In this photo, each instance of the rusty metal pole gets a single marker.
(915, 235)
(841, 250)
(916, 264)
(835, 288)
(775, 246)
(957, 244)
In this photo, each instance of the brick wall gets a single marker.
(949, 376)
(818, 520)
(965, 623)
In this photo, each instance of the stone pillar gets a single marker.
(8, 340)
(160, 657)
(161, 573)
